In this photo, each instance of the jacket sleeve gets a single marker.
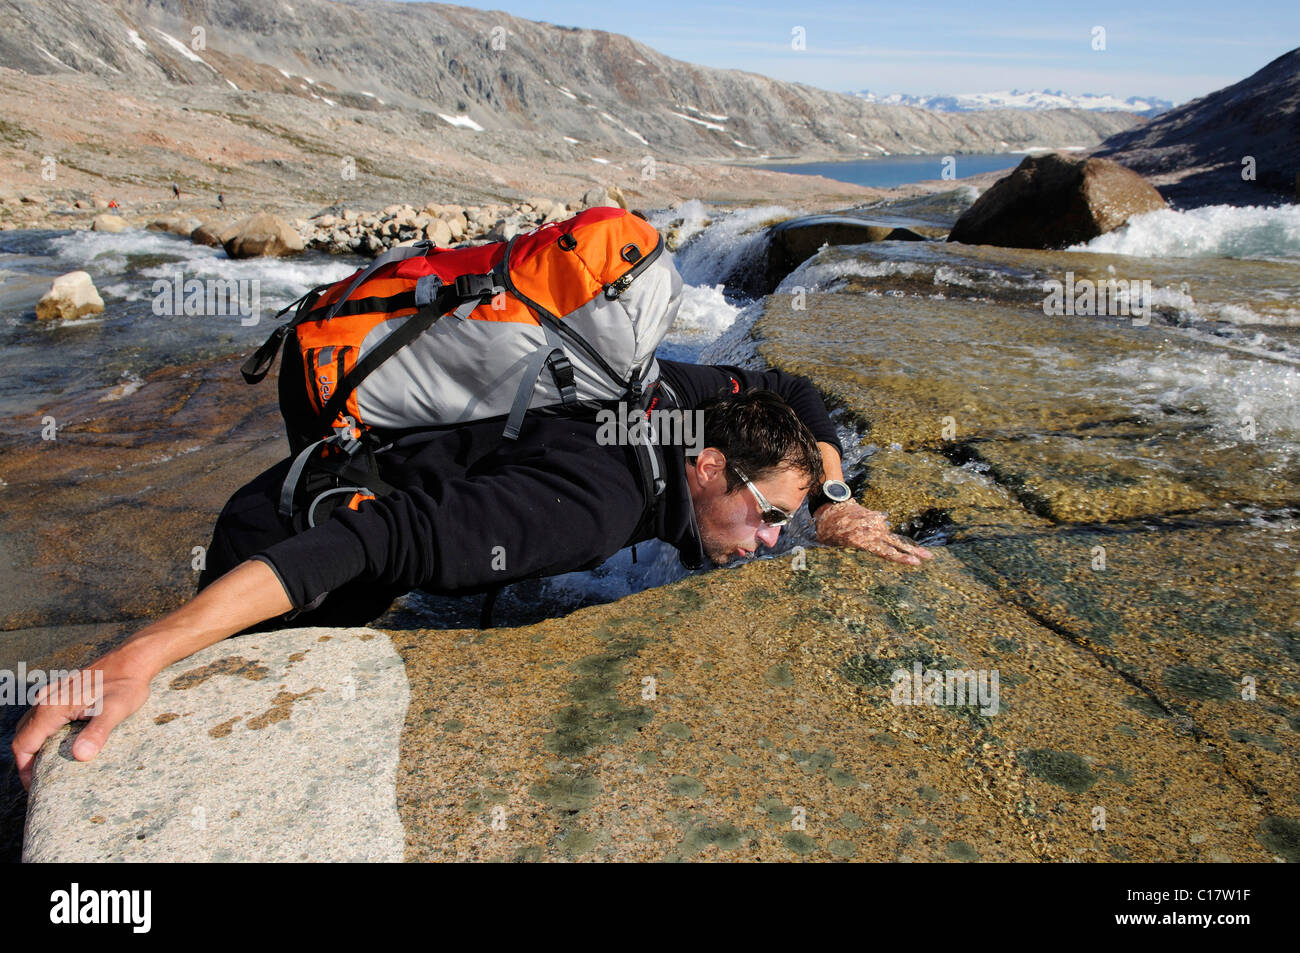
(471, 533)
(702, 381)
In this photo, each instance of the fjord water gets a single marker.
(887, 172)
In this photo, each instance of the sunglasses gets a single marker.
(769, 514)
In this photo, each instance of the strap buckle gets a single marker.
(347, 435)
(478, 286)
(562, 371)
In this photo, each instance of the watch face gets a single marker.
(837, 491)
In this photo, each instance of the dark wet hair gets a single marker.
(759, 433)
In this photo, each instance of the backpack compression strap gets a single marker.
(259, 364)
(435, 300)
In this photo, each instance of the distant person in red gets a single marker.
(114, 207)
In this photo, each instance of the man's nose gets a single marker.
(768, 535)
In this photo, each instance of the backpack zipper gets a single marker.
(620, 284)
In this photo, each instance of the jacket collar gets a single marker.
(675, 520)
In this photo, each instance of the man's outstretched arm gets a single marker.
(248, 594)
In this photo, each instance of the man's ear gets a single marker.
(711, 465)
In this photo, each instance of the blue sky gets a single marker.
(1172, 50)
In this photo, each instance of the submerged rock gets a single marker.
(794, 241)
(1054, 200)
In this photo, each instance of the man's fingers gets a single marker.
(107, 711)
(908, 546)
(37, 725)
(92, 738)
(896, 549)
(869, 530)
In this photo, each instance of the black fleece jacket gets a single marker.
(472, 512)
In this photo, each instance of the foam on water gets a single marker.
(693, 214)
(816, 275)
(280, 280)
(1229, 390)
(1218, 386)
(1187, 307)
(109, 253)
(729, 244)
(704, 313)
(1215, 231)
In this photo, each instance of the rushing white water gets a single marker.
(1215, 231)
(106, 254)
(731, 242)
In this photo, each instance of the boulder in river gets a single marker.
(263, 234)
(181, 225)
(71, 296)
(211, 234)
(796, 240)
(108, 223)
(1053, 200)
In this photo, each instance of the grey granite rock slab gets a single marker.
(274, 746)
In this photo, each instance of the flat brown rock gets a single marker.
(743, 715)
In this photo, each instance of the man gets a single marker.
(471, 513)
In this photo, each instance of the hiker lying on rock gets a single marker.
(471, 517)
(395, 385)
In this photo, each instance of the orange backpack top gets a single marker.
(564, 317)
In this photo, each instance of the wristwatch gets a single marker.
(832, 491)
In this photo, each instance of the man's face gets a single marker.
(730, 524)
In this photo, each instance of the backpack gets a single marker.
(560, 320)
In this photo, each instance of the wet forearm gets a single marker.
(831, 460)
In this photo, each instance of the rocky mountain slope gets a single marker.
(498, 71)
(1240, 144)
(314, 101)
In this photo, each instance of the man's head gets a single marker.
(758, 435)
